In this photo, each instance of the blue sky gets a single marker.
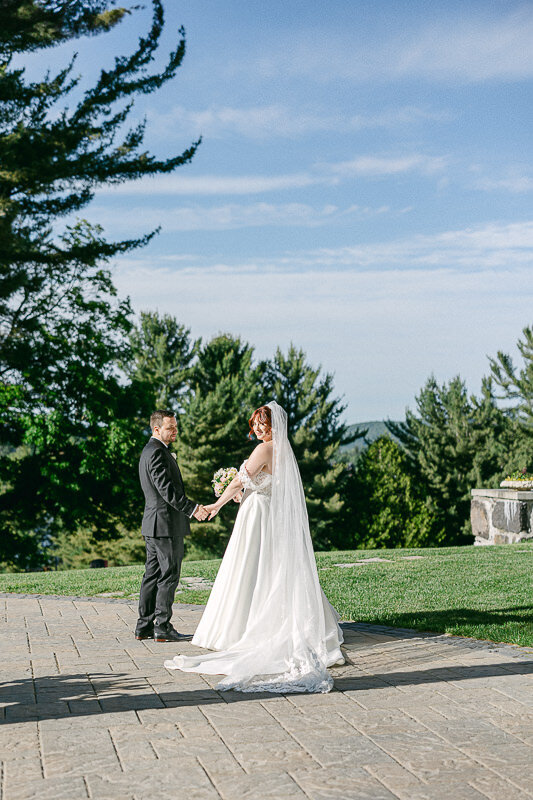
(363, 188)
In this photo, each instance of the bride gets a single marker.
(267, 618)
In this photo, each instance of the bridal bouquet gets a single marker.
(222, 479)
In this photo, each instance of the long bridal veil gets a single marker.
(292, 635)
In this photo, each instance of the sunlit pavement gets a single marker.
(89, 712)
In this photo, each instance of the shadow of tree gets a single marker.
(74, 695)
(445, 620)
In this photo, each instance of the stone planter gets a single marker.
(501, 516)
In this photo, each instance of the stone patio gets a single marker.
(88, 712)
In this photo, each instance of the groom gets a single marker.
(167, 512)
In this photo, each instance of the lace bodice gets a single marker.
(260, 483)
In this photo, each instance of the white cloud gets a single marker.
(319, 174)
(514, 183)
(381, 333)
(380, 166)
(489, 246)
(232, 216)
(459, 47)
(493, 246)
(274, 121)
(382, 316)
(180, 184)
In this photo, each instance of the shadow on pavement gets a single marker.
(67, 696)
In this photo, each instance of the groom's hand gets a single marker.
(200, 514)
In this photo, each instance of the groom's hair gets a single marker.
(158, 417)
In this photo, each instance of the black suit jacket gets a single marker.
(167, 508)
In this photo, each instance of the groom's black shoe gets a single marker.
(170, 635)
(145, 633)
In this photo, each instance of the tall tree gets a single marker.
(29, 25)
(68, 425)
(317, 432)
(516, 385)
(159, 358)
(53, 158)
(389, 507)
(454, 443)
(213, 430)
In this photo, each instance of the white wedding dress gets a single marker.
(267, 618)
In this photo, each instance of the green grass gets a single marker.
(482, 592)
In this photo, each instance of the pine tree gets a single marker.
(389, 508)
(213, 429)
(455, 443)
(516, 389)
(316, 430)
(159, 359)
(68, 424)
(53, 158)
(29, 25)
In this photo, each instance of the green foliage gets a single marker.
(517, 385)
(77, 550)
(71, 430)
(516, 389)
(213, 429)
(389, 508)
(159, 359)
(453, 444)
(35, 24)
(520, 475)
(317, 434)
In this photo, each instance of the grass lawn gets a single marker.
(482, 592)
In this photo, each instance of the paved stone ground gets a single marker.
(88, 712)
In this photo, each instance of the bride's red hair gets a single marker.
(261, 414)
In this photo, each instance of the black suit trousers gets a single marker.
(160, 581)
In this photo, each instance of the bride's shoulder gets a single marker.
(263, 449)
(261, 454)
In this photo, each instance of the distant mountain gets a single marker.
(376, 428)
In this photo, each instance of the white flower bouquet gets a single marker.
(222, 479)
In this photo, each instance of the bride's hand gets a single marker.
(213, 510)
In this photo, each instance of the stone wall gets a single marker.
(501, 516)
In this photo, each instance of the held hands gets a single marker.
(201, 513)
(210, 511)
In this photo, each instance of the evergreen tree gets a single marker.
(53, 158)
(213, 430)
(29, 25)
(516, 388)
(389, 507)
(68, 425)
(160, 357)
(316, 431)
(454, 444)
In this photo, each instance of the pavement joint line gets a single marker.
(116, 750)
(455, 747)
(293, 737)
(220, 736)
(86, 786)
(41, 749)
(377, 778)
(208, 776)
(293, 779)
